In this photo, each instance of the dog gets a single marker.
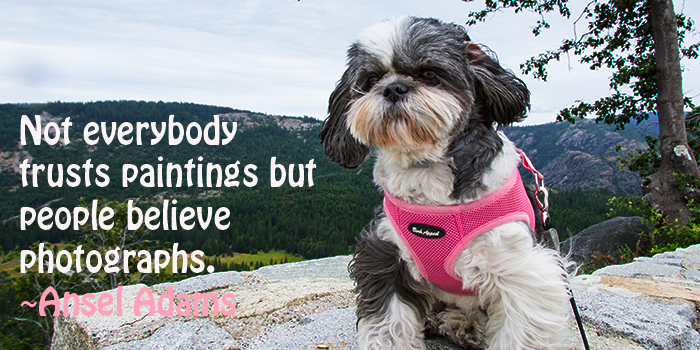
(430, 102)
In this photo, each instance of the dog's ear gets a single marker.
(500, 95)
(338, 143)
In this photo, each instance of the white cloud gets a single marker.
(273, 56)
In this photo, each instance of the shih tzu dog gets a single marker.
(452, 251)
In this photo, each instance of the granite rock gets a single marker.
(605, 238)
(654, 325)
(203, 283)
(199, 334)
(640, 268)
(334, 267)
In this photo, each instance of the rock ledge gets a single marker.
(647, 304)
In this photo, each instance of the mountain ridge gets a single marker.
(581, 156)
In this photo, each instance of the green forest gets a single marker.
(312, 222)
(309, 221)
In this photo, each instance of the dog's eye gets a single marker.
(370, 82)
(373, 79)
(429, 77)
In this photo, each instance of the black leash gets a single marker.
(578, 321)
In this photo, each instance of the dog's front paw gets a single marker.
(383, 334)
(467, 329)
(398, 328)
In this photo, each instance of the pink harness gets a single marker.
(436, 235)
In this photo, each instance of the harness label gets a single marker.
(426, 231)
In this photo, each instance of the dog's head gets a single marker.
(413, 82)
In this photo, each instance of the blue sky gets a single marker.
(272, 56)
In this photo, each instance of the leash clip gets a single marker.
(542, 204)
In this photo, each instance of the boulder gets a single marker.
(605, 238)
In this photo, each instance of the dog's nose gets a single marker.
(394, 91)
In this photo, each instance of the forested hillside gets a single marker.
(584, 155)
(313, 222)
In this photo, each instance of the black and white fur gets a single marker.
(415, 89)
